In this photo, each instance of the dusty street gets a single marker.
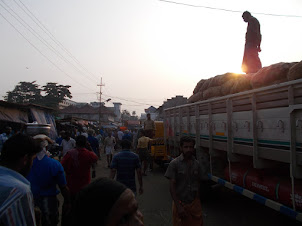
(220, 207)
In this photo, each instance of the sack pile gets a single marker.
(231, 83)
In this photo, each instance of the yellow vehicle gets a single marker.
(158, 147)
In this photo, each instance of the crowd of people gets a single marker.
(31, 179)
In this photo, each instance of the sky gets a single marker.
(145, 51)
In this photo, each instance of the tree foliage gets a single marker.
(125, 115)
(24, 93)
(30, 93)
(54, 94)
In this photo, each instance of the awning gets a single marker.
(13, 115)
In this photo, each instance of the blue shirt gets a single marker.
(16, 200)
(59, 140)
(3, 137)
(94, 143)
(125, 163)
(127, 136)
(45, 175)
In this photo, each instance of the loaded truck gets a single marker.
(250, 142)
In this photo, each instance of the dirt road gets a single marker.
(220, 207)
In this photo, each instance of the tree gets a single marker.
(55, 94)
(25, 93)
(133, 113)
(125, 115)
(29, 92)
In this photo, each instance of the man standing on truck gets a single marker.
(149, 127)
(184, 175)
(251, 62)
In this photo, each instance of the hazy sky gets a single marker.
(145, 50)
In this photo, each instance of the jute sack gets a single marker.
(241, 84)
(220, 80)
(195, 97)
(198, 86)
(212, 92)
(226, 87)
(268, 75)
(205, 85)
(295, 72)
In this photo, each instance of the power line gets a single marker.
(227, 10)
(40, 38)
(40, 51)
(131, 100)
(47, 32)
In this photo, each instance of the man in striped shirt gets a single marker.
(16, 200)
(124, 165)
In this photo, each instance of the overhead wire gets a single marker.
(227, 10)
(120, 98)
(40, 38)
(37, 49)
(34, 18)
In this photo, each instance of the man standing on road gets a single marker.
(109, 144)
(16, 201)
(124, 164)
(4, 136)
(67, 144)
(251, 62)
(45, 175)
(143, 151)
(184, 175)
(149, 127)
(77, 163)
(120, 135)
(94, 143)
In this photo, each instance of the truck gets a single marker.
(250, 142)
(158, 149)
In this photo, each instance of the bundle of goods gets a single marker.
(230, 83)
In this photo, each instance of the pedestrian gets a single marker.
(127, 136)
(184, 175)
(94, 143)
(4, 136)
(120, 135)
(106, 202)
(45, 175)
(16, 202)
(124, 165)
(60, 137)
(67, 144)
(251, 62)
(109, 144)
(149, 126)
(143, 151)
(77, 163)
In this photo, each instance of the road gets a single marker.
(221, 206)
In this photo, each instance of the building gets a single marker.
(88, 112)
(66, 103)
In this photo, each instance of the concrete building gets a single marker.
(66, 103)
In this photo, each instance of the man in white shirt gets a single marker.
(67, 144)
(109, 144)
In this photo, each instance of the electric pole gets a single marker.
(100, 85)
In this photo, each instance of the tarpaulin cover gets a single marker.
(13, 115)
(43, 117)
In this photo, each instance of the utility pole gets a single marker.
(100, 85)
